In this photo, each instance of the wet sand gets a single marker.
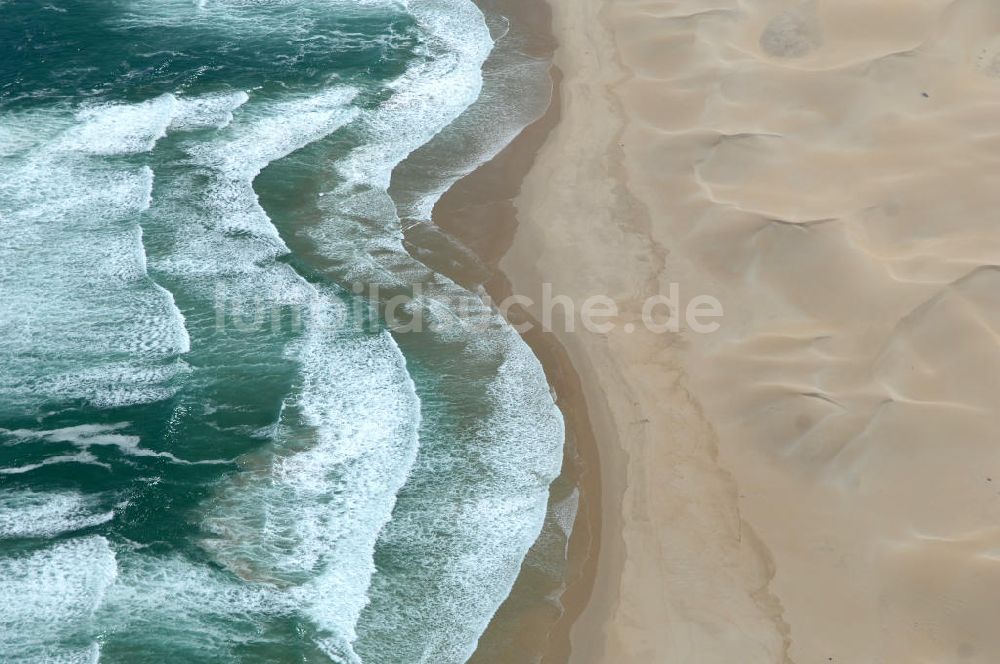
(818, 480)
(479, 211)
(534, 624)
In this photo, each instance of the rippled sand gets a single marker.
(819, 480)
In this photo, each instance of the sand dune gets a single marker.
(819, 480)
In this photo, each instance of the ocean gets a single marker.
(253, 407)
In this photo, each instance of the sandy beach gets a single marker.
(818, 480)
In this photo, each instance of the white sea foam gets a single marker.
(51, 655)
(565, 513)
(428, 96)
(312, 515)
(213, 111)
(516, 91)
(226, 236)
(469, 531)
(107, 385)
(361, 221)
(84, 298)
(50, 596)
(294, 19)
(80, 457)
(23, 131)
(363, 405)
(83, 435)
(32, 514)
(174, 594)
(85, 302)
(114, 129)
(87, 436)
(471, 527)
(272, 130)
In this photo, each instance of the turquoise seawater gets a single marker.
(222, 437)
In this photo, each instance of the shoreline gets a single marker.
(583, 633)
(479, 210)
(611, 401)
(680, 571)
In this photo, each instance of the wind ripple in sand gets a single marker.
(828, 172)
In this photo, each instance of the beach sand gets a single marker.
(818, 480)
